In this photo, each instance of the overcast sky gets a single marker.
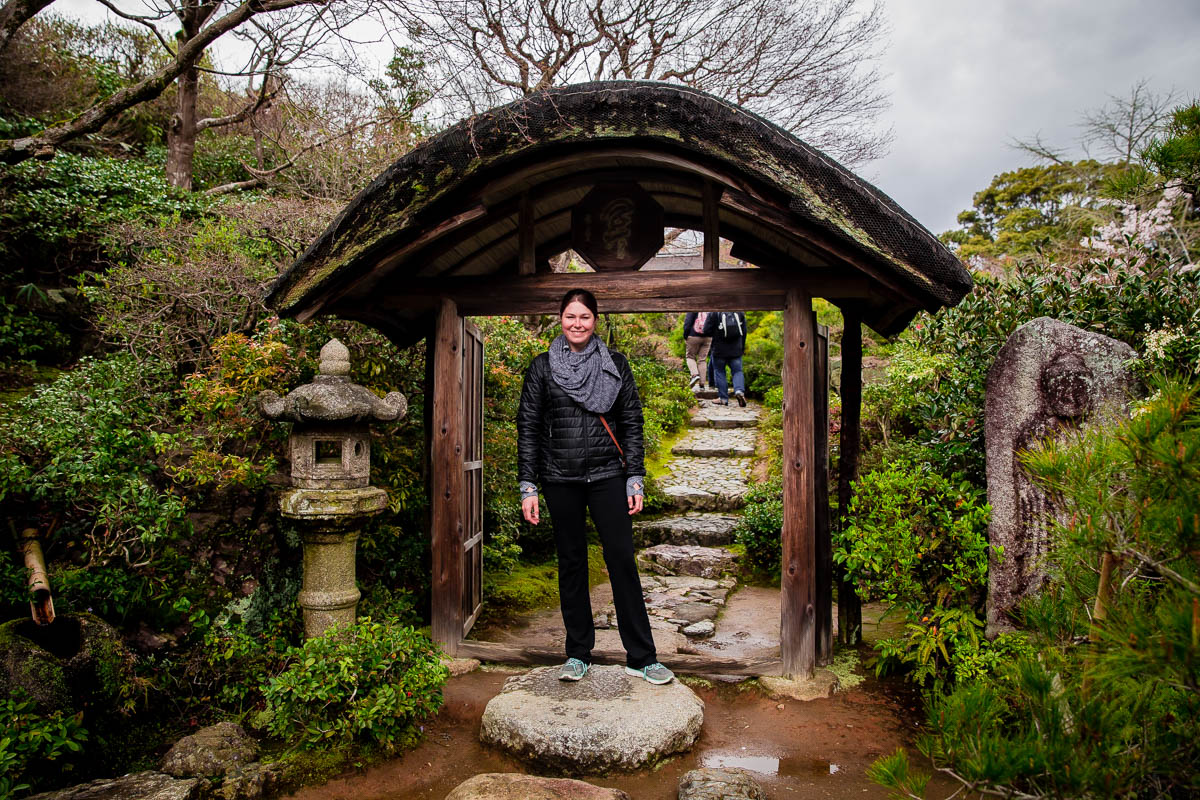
(968, 76)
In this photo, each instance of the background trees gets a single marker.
(807, 65)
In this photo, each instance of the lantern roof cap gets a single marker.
(332, 397)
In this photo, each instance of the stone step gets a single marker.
(724, 417)
(691, 498)
(701, 529)
(715, 443)
(706, 484)
(684, 559)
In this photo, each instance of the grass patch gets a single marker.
(530, 587)
(656, 463)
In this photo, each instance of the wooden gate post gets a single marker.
(446, 479)
(823, 582)
(798, 625)
(849, 604)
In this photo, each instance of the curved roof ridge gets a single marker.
(417, 189)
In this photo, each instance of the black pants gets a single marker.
(610, 512)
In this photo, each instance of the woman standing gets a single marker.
(579, 431)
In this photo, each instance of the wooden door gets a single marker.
(472, 466)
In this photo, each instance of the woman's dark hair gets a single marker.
(581, 296)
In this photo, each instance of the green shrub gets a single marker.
(369, 683)
(915, 538)
(1117, 718)
(81, 449)
(666, 400)
(760, 529)
(934, 389)
(34, 745)
(47, 208)
(762, 362)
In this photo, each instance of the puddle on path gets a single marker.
(819, 749)
(769, 765)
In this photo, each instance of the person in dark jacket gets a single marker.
(728, 332)
(579, 432)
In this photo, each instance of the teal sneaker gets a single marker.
(655, 673)
(573, 670)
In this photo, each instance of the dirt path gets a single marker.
(819, 749)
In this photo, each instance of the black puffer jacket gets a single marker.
(558, 441)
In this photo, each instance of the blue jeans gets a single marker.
(735, 366)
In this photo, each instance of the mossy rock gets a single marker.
(26, 665)
(77, 662)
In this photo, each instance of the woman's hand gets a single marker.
(529, 508)
(635, 504)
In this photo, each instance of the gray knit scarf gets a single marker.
(589, 377)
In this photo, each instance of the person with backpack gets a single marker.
(695, 345)
(728, 332)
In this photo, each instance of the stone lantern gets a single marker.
(331, 495)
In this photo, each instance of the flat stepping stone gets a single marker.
(707, 529)
(607, 721)
(136, 786)
(717, 442)
(719, 784)
(700, 630)
(683, 559)
(515, 786)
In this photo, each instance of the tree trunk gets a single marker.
(181, 132)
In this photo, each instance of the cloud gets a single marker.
(969, 77)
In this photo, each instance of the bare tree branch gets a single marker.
(14, 14)
(808, 66)
(189, 52)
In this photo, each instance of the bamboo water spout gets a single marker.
(41, 603)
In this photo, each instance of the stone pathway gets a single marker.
(686, 573)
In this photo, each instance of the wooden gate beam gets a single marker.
(622, 292)
(446, 463)
(797, 635)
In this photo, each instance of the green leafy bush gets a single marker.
(1117, 718)
(371, 682)
(81, 449)
(34, 745)
(915, 538)
(666, 400)
(762, 362)
(47, 208)
(934, 389)
(760, 529)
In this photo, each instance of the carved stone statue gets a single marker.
(1048, 377)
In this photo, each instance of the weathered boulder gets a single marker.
(250, 782)
(683, 559)
(211, 752)
(607, 721)
(1048, 378)
(719, 784)
(136, 786)
(700, 630)
(514, 786)
(77, 660)
(822, 684)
